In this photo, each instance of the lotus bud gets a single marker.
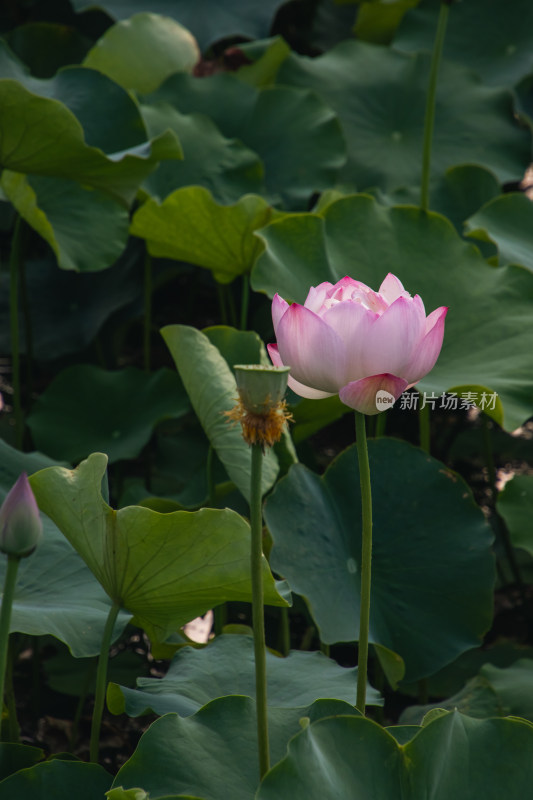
(20, 523)
(261, 409)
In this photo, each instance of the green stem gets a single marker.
(73, 738)
(245, 298)
(13, 727)
(381, 422)
(14, 270)
(500, 523)
(101, 681)
(10, 581)
(147, 309)
(258, 619)
(429, 121)
(424, 428)
(366, 559)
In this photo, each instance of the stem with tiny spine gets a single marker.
(258, 619)
(10, 581)
(101, 681)
(429, 121)
(366, 559)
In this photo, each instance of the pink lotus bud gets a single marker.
(20, 523)
(365, 346)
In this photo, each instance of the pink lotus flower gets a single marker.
(349, 340)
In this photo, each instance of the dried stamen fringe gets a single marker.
(264, 429)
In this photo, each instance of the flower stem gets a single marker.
(258, 619)
(429, 121)
(501, 527)
(14, 272)
(101, 681)
(366, 559)
(10, 581)
(381, 422)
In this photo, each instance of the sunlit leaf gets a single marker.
(165, 569)
(141, 52)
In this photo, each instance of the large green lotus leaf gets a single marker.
(62, 212)
(14, 757)
(209, 20)
(296, 135)
(56, 593)
(453, 756)
(214, 752)
(432, 565)
(224, 166)
(488, 338)
(67, 309)
(41, 136)
(300, 141)
(61, 780)
(380, 95)
(86, 408)
(507, 221)
(515, 504)
(493, 39)
(141, 52)
(165, 569)
(212, 390)
(189, 225)
(226, 666)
